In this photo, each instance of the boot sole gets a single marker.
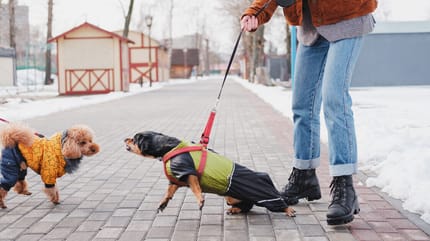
(344, 219)
(295, 200)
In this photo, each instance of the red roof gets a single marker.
(86, 24)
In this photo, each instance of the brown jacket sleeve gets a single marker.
(265, 15)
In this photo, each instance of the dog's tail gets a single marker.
(13, 133)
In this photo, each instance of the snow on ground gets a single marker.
(392, 125)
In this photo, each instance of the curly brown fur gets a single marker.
(52, 194)
(13, 133)
(3, 194)
(21, 187)
(79, 142)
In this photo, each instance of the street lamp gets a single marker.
(148, 20)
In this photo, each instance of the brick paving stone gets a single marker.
(212, 219)
(392, 236)
(308, 230)
(210, 230)
(382, 227)
(81, 236)
(90, 225)
(41, 227)
(306, 219)
(261, 230)
(11, 233)
(164, 221)
(115, 195)
(236, 235)
(364, 234)
(30, 237)
(59, 233)
(109, 233)
(160, 232)
(117, 222)
(415, 234)
(212, 238)
(132, 236)
(336, 236)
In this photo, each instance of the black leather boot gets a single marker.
(301, 184)
(344, 203)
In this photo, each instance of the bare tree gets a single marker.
(235, 10)
(128, 19)
(48, 49)
(12, 31)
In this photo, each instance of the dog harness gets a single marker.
(214, 171)
(176, 152)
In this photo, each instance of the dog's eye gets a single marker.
(82, 143)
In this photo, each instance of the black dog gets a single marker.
(203, 170)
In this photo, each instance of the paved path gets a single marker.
(114, 195)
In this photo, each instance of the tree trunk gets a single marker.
(48, 80)
(128, 19)
(12, 32)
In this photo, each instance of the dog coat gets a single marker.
(213, 179)
(45, 158)
(226, 178)
(11, 159)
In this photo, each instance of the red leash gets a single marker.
(204, 140)
(37, 134)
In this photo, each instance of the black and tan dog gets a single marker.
(205, 171)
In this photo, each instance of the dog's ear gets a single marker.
(71, 149)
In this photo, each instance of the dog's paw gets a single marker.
(52, 194)
(233, 210)
(201, 203)
(163, 204)
(3, 194)
(290, 212)
(21, 187)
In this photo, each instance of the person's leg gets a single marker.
(306, 104)
(341, 59)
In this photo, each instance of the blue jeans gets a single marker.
(323, 75)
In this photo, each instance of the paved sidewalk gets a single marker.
(115, 194)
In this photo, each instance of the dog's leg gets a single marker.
(21, 187)
(3, 194)
(290, 212)
(52, 194)
(193, 182)
(171, 190)
(232, 201)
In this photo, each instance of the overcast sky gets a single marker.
(189, 16)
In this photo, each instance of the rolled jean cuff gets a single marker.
(344, 169)
(306, 164)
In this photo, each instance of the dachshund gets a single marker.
(205, 171)
(51, 157)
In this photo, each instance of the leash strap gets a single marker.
(176, 152)
(204, 140)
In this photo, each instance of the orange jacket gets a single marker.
(323, 12)
(45, 158)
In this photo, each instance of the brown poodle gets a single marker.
(49, 157)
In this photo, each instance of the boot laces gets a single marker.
(295, 176)
(338, 190)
